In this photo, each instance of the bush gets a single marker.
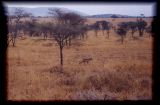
(117, 82)
(87, 95)
(95, 81)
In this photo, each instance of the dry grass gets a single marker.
(117, 72)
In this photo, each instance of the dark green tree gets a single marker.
(141, 24)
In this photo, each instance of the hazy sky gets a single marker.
(132, 9)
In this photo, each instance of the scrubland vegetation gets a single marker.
(69, 57)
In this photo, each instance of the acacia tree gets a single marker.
(84, 30)
(122, 30)
(77, 21)
(114, 17)
(60, 34)
(106, 26)
(141, 24)
(43, 27)
(133, 27)
(32, 27)
(124, 26)
(66, 25)
(95, 27)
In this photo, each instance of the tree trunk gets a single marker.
(69, 41)
(132, 34)
(122, 39)
(86, 36)
(103, 32)
(140, 33)
(82, 36)
(108, 34)
(14, 39)
(96, 33)
(9, 40)
(44, 35)
(61, 55)
(66, 42)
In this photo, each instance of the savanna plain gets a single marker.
(116, 72)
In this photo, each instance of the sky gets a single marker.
(132, 9)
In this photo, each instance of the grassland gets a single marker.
(117, 71)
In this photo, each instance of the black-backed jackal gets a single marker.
(85, 60)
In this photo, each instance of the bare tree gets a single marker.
(11, 26)
(11, 29)
(65, 26)
(57, 15)
(16, 23)
(61, 33)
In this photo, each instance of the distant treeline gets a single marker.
(93, 17)
(115, 16)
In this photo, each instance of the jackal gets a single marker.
(85, 60)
